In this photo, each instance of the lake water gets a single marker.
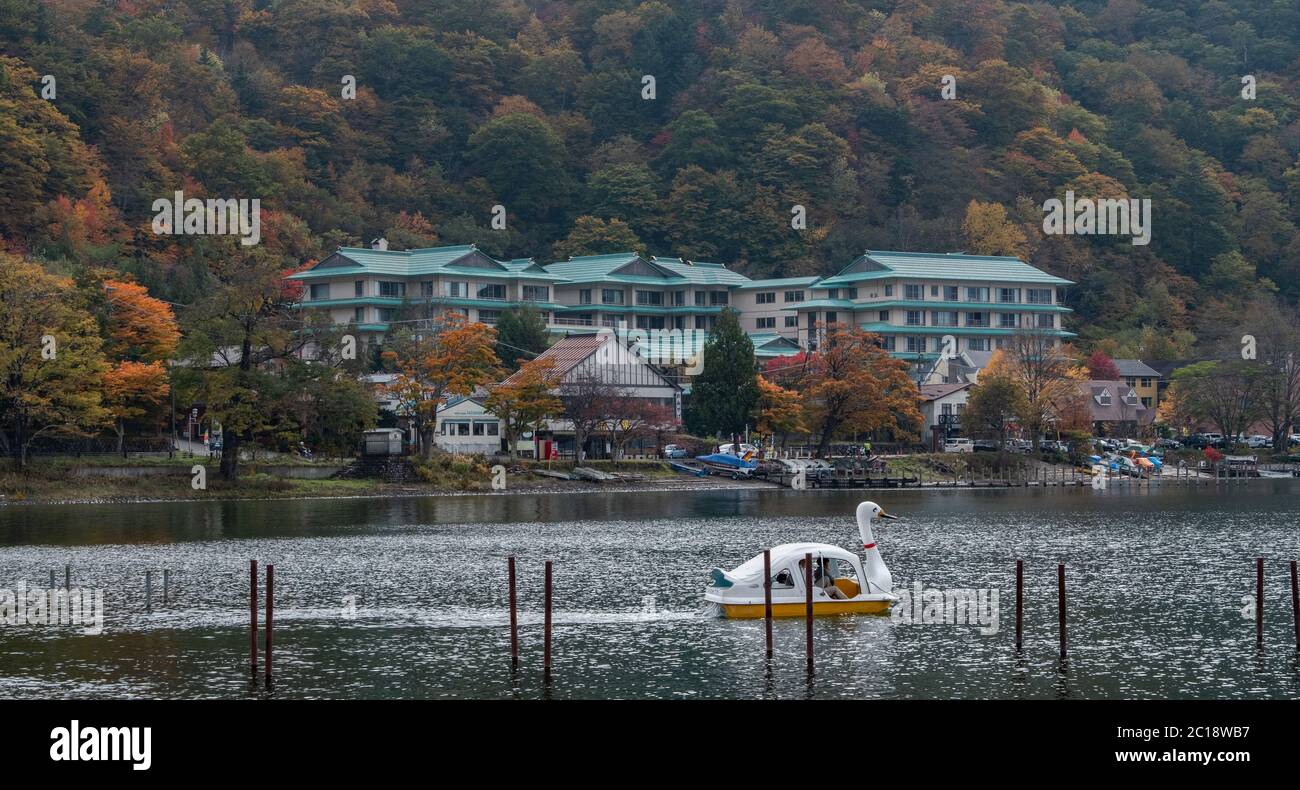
(403, 598)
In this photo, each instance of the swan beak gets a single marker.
(883, 514)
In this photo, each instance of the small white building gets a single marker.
(465, 426)
(941, 408)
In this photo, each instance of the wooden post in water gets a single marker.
(148, 592)
(767, 597)
(546, 628)
(1020, 600)
(167, 581)
(252, 615)
(270, 613)
(1060, 605)
(67, 577)
(51, 580)
(514, 620)
(808, 601)
(1295, 604)
(1259, 601)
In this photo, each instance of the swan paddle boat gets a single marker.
(843, 583)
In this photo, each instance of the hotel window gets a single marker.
(717, 298)
(831, 317)
(426, 289)
(456, 290)
(1146, 382)
(913, 293)
(977, 344)
(610, 321)
(765, 297)
(1038, 295)
(794, 296)
(537, 293)
(387, 314)
(853, 293)
(649, 322)
(934, 290)
(1009, 320)
(888, 342)
(359, 287)
(944, 318)
(915, 318)
(950, 293)
(701, 322)
(611, 296)
(1046, 321)
(766, 323)
(977, 319)
(488, 316)
(492, 291)
(1130, 380)
(1009, 295)
(679, 322)
(884, 316)
(480, 428)
(393, 290)
(359, 315)
(584, 296)
(320, 291)
(792, 322)
(977, 294)
(651, 298)
(916, 345)
(701, 299)
(679, 298)
(889, 290)
(1146, 402)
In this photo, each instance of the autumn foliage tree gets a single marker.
(453, 357)
(142, 336)
(851, 385)
(522, 401)
(780, 411)
(51, 359)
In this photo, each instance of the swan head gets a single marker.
(869, 511)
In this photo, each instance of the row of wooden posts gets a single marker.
(767, 609)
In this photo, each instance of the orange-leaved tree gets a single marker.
(852, 385)
(453, 356)
(780, 411)
(522, 401)
(141, 336)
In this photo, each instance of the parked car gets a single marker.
(958, 446)
(1168, 444)
(1293, 439)
(674, 451)
(1257, 441)
(1053, 446)
(1107, 445)
(1019, 446)
(985, 446)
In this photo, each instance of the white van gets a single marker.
(958, 446)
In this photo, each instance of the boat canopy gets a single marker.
(750, 573)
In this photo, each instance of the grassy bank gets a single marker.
(55, 480)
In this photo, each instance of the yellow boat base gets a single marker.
(820, 608)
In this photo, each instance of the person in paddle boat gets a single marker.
(843, 581)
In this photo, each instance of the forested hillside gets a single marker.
(758, 106)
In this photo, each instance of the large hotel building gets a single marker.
(911, 299)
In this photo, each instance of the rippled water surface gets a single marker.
(407, 597)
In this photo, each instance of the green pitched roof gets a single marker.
(461, 259)
(939, 266)
(668, 271)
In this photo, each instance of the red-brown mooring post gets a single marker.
(252, 615)
(1060, 606)
(1259, 601)
(546, 642)
(1020, 600)
(514, 617)
(270, 611)
(1295, 604)
(808, 587)
(767, 596)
